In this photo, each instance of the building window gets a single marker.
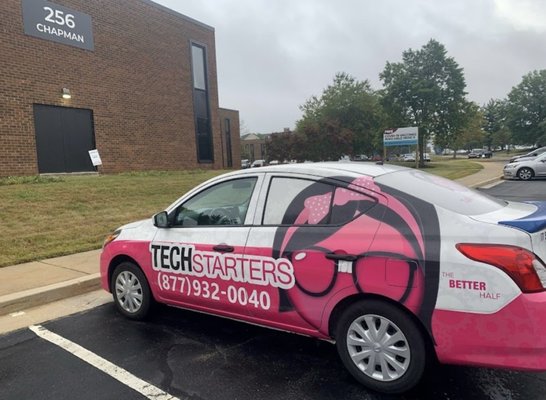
(203, 131)
(227, 132)
(198, 63)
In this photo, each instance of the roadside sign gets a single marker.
(95, 157)
(401, 136)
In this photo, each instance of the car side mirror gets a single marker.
(161, 220)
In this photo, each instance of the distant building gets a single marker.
(253, 147)
(133, 79)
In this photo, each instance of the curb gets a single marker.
(20, 301)
(486, 182)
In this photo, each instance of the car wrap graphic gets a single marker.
(392, 256)
(187, 260)
(299, 255)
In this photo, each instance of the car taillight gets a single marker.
(523, 266)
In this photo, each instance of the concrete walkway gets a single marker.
(491, 172)
(33, 284)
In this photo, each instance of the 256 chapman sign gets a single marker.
(50, 21)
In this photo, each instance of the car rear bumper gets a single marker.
(510, 338)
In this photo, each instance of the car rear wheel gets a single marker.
(381, 346)
(131, 291)
(525, 174)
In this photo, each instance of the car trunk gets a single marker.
(529, 217)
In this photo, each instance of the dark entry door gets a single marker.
(63, 138)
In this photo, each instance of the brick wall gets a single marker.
(137, 81)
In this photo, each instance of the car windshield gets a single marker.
(441, 192)
(536, 152)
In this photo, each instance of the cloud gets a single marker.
(523, 14)
(273, 55)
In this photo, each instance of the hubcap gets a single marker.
(378, 348)
(525, 174)
(128, 291)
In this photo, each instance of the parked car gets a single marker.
(274, 162)
(258, 163)
(408, 157)
(531, 154)
(361, 157)
(387, 262)
(245, 164)
(480, 153)
(526, 168)
(411, 157)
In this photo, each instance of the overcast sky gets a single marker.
(272, 55)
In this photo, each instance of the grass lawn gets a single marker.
(43, 217)
(48, 217)
(448, 168)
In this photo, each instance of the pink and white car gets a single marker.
(391, 264)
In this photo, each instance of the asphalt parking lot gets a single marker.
(534, 190)
(179, 354)
(195, 356)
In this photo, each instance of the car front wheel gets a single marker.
(381, 346)
(525, 174)
(131, 291)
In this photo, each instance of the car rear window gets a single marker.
(442, 192)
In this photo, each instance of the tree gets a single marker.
(279, 146)
(346, 119)
(471, 135)
(494, 123)
(502, 139)
(326, 140)
(426, 89)
(527, 109)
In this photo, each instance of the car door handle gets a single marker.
(344, 257)
(223, 248)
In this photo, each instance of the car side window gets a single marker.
(348, 205)
(294, 201)
(223, 204)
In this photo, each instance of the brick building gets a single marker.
(141, 81)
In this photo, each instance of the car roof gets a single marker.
(328, 168)
(540, 150)
(530, 160)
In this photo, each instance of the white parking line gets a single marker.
(492, 185)
(118, 373)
